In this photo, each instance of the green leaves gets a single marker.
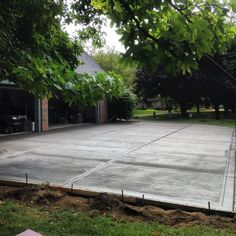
(113, 61)
(86, 90)
(233, 5)
(156, 31)
(90, 21)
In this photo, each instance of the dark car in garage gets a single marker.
(11, 123)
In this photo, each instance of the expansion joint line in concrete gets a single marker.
(121, 157)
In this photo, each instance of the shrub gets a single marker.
(121, 107)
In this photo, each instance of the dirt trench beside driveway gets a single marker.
(104, 204)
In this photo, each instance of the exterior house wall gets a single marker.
(44, 112)
(101, 115)
(102, 111)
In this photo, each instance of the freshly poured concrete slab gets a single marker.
(162, 182)
(43, 169)
(165, 161)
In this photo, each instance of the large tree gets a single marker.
(180, 31)
(34, 49)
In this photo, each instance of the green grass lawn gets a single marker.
(204, 117)
(144, 113)
(15, 218)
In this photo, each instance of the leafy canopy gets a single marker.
(180, 31)
(36, 53)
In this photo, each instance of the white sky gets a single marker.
(111, 37)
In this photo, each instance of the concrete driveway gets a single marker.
(167, 161)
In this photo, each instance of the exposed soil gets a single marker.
(103, 204)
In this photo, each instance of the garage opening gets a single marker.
(16, 110)
(60, 113)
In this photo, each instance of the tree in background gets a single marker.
(218, 85)
(119, 107)
(113, 61)
(209, 84)
(182, 89)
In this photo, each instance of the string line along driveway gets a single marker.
(167, 161)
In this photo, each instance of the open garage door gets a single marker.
(61, 113)
(16, 109)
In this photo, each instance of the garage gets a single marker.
(60, 113)
(17, 109)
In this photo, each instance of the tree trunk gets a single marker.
(217, 111)
(183, 110)
(198, 107)
(226, 110)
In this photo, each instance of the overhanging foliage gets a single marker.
(180, 31)
(39, 57)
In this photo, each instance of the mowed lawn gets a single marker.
(204, 117)
(15, 218)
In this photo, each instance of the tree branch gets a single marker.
(141, 29)
(138, 25)
(179, 10)
(229, 75)
(165, 43)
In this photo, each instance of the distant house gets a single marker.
(44, 113)
(155, 103)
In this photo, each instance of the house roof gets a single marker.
(90, 66)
